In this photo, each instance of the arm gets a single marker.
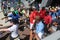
(4, 27)
(10, 29)
(4, 18)
(48, 25)
(50, 20)
(4, 30)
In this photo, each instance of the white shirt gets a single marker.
(14, 31)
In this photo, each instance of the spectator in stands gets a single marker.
(33, 14)
(14, 16)
(53, 28)
(53, 13)
(19, 12)
(13, 29)
(55, 25)
(58, 23)
(47, 22)
(42, 12)
(58, 11)
(24, 12)
(39, 28)
(11, 15)
(4, 7)
(8, 6)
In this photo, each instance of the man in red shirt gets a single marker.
(33, 14)
(47, 22)
(42, 12)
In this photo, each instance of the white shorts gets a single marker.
(40, 34)
(31, 25)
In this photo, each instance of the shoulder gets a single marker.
(48, 16)
(14, 26)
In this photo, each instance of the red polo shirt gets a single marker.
(47, 19)
(42, 13)
(32, 16)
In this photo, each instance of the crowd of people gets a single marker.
(41, 22)
(44, 22)
(17, 17)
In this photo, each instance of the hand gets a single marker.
(33, 20)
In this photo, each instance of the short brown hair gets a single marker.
(37, 18)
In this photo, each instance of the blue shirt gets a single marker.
(14, 17)
(39, 27)
(53, 14)
(58, 12)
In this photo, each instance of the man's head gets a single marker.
(13, 21)
(13, 13)
(30, 10)
(37, 19)
(47, 13)
(43, 8)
